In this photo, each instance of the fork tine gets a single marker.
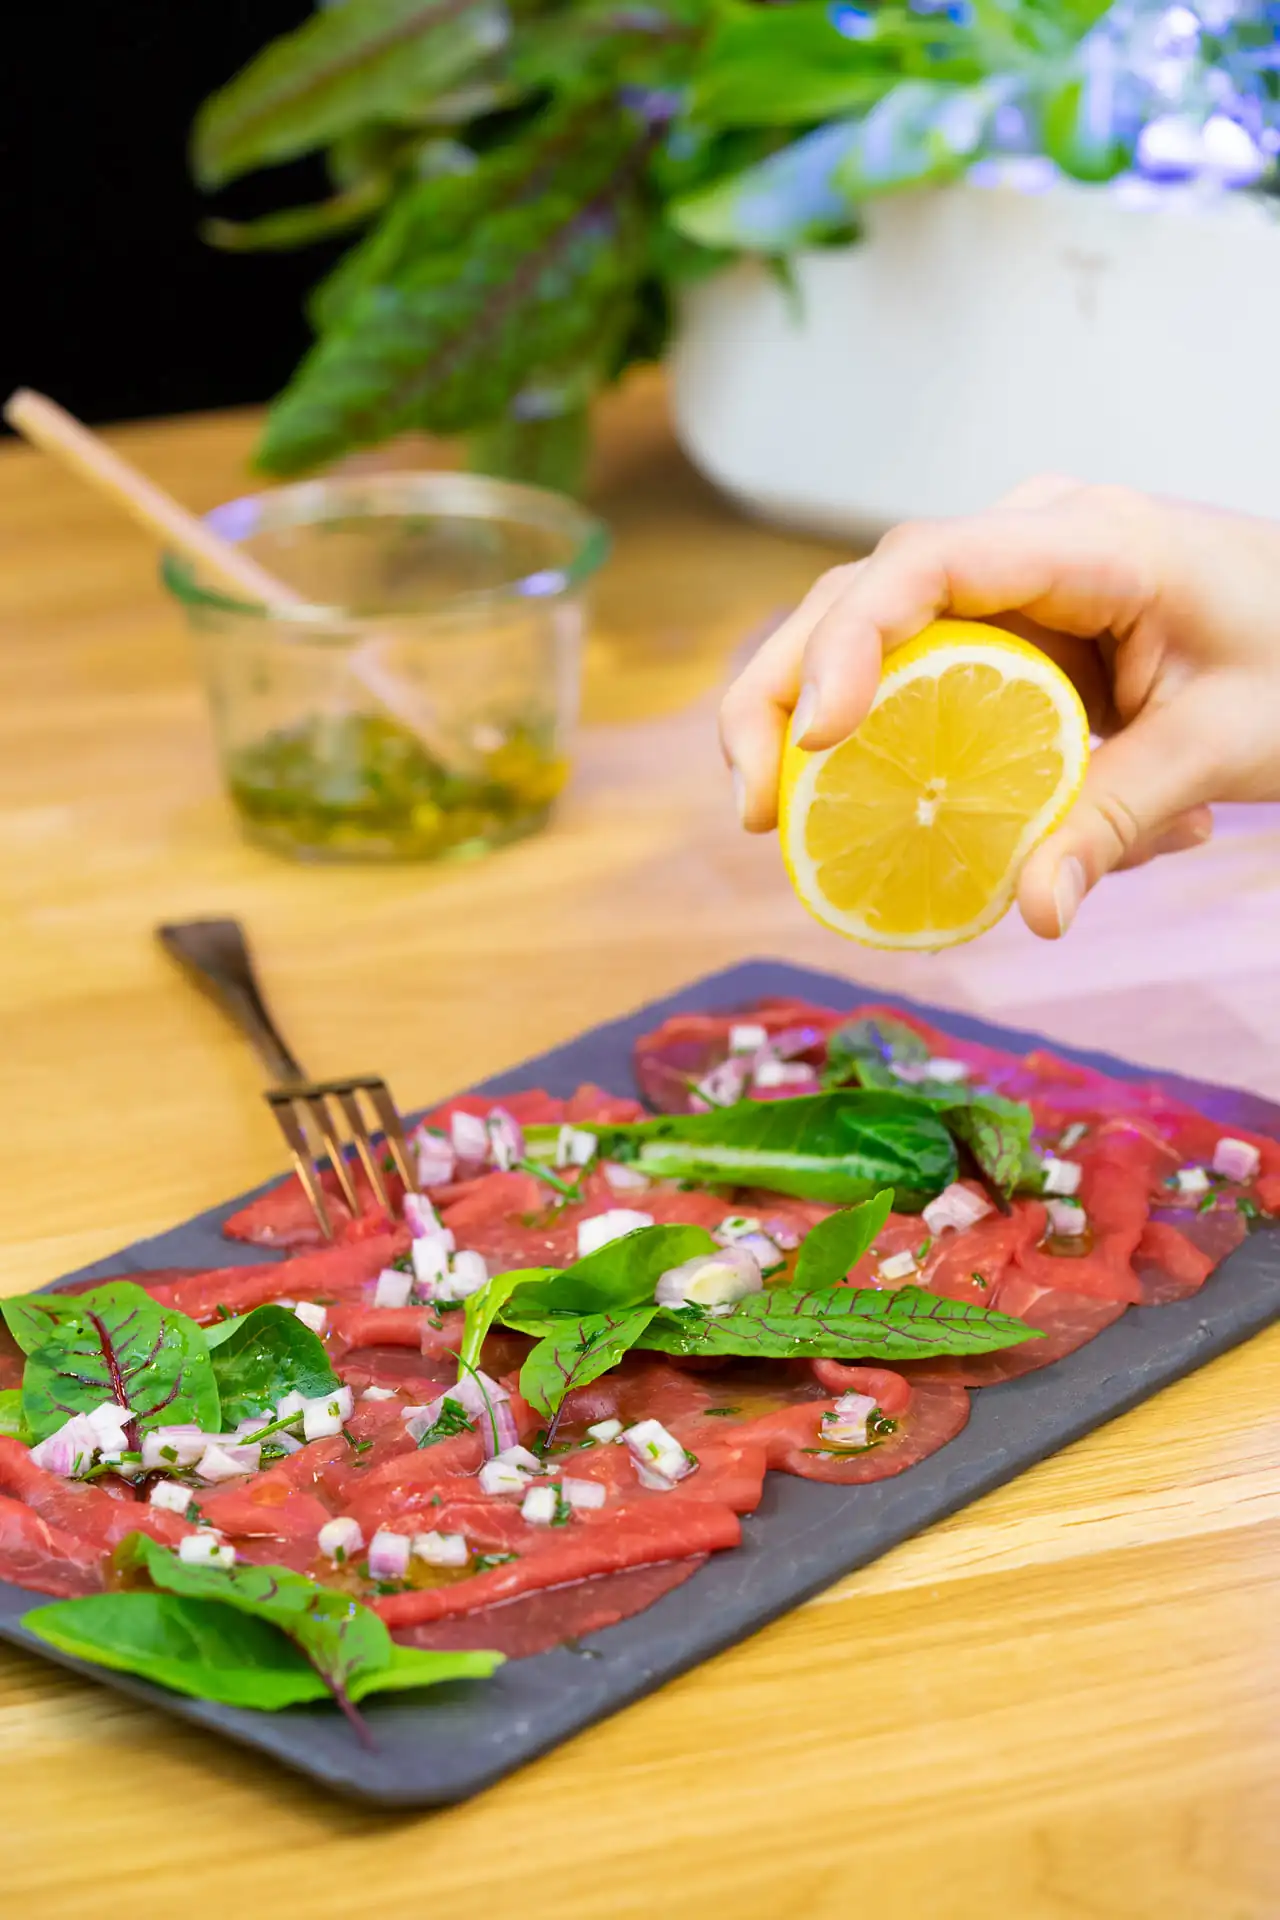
(281, 1105)
(392, 1130)
(347, 1100)
(315, 1105)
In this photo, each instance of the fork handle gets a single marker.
(216, 954)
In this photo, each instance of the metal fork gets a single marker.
(216, 954)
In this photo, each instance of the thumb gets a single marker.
(1137, 786)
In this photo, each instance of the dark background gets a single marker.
(109, 299)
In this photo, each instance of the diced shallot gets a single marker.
(747, 1039)
(783, 1235)
(339, 1539)
(378, 1393)
(171, 1496)
(583, 1493)
(506, 1139)
(468, 1272)
(393, 1288)
(710, 1279)
(291, 1402)
(68, 1452)
(430, 1255)
(1192, 1182)
(442, 1549)
(228, 1462)
(724, 1085)
(733, 1227)
(1236, 1159)
(764, 1250)
(389, 1555)
(602, 1228)
(624, 1179)
(502, 1476)
(784, 1073)
(173, 1447)
(420, 1216)
(846, 1424)
(899, 1266)
(956, 1206)
(312, 1315)
(1067, 1219)
(1061, 1177)
(326, 1414)
(434, 1157)
(207, 1548)
(470, 1138)
(109, 1422)
(657, 1454)
(575, 1147)
(604, 1431)
(540, 1506)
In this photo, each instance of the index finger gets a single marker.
(1085, 565)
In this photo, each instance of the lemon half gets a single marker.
(912, 832)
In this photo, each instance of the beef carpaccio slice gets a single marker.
(530, 1586)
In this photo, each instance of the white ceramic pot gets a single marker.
(981, 335)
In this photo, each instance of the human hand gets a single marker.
(1166, 617)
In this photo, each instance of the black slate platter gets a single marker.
(446, 1745)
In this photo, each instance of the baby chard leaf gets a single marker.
(116, 1343)
(266, 1355)
(622, 1274)
(853, 1323)
(578, 1354)
(837, 1243)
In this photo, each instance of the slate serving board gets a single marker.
(454, 1741)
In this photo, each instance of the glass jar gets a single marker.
(417, 704)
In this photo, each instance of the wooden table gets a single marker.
(1064, 1702)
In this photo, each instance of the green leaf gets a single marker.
(266, 1355)
(12, 1422)
(1079, 131)
(300, 226)
(841, 1147)
(845, 1323)
(32, 1317)
(837, 1243)
(444, 336)
(579, 1353)
(364, 61)
(861, 1044)
(116, 1343)
(346, 1643)
(998, 1134)
(622, 1274)
(212, 1651)
(921, 132)
(481, 1309)
(787, 201)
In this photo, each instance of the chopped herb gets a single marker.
(922, 1250)
(880, 1423)
(356, 1446)
(553, 1180)
(1248, 1208)
(388, 1164)
(721, 1413)
(339, 1556)
(1209, 1202)
(434, 1321)
(563, 1513)
(451, 1419)
(483, 1561)
(193, 1513)
(403, 1263)
(223, 1311)
(978, 1280)
(390, 1586)
(436, 1500)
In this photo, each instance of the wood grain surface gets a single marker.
(1064, 1703)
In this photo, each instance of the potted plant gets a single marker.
(796, 200)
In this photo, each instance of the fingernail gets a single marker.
(806, 708)
(1068, 891)
(740, 794)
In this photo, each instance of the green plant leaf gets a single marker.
(265, 1355)
(998, 1134)
(579, 1353)
(841, 1147)
(481, 1309)
(115, 1342)
(836, 1244)
(300, 226)
(12, 1422)
(207, 1649)
(617, 1276)
(787, 201)
(845, 1323)
(362, 62)
(1079, 131)
(861, 1044)
(922, 132)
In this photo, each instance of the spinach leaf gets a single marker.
(622, 1274)
(839, 1242)
(267, 1354)
(857, 1048)
(345, 1644)
(841, 1146)
(853, 1323)
(116, 1343)
(578, 1354)
(481, 1309)
(12, 1423)
(217, 1652)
